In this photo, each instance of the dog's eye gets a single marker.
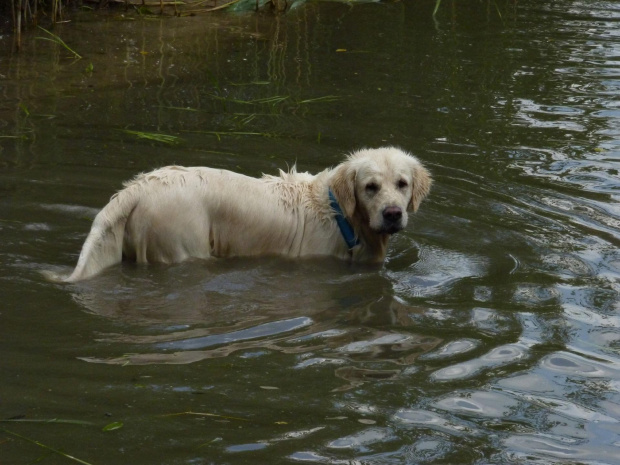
(372, 187)
(402, 184)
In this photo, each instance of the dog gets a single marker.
(178, 213)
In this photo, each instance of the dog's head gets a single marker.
(380, 186)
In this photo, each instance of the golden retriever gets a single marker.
(177, 213)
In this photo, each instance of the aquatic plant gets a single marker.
(26, 12)
(44, 446)
(154, 136)
(57, 40)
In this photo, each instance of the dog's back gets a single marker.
(176, 213)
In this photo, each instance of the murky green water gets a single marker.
(492, 333)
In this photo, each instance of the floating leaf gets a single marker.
(113, 426)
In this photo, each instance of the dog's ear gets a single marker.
(422, 182)
(343, 187)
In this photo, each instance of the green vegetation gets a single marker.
(57, 40)
(27, 13)
(44, 446)
(154, 136)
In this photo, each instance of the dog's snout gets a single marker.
(392, 214)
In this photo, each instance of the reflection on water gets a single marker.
(490, 335)
(269, 304)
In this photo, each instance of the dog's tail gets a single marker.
(104, 245)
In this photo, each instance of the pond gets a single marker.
(490, 335)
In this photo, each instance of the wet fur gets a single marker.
(176, 213)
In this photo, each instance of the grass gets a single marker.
(154, 136)
(52, 420)
(275, 100)
(219, 134)
(204, 414)
(22, 137)
(108, 427)
(181, 108)
(57, 40)
(44, 446)
(326, 98)
(272, 106)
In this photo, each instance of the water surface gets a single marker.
(490, 335)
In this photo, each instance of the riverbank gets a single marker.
(24, 14)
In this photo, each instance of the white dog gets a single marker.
(176, 213)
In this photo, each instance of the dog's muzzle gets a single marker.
(392, 220)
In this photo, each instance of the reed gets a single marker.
(26, 12)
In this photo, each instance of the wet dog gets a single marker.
(177, 213)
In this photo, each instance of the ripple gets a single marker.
(420, 418)
(543, 445)
(320, 335)
(367, 346)
(569, 409)
(246, 447)
(567, 264)
(489, 320)
(499, 356)
(535, 295)
(505, 354)
(314, 457)
(573, 365)
(297, 434)
(264, 330)
(37, 227)
(319, 361)
(485, 404)
(544, 116)
(363, 438)
(73, 210)
(527, 383)
(358, 376)
(437, 270)
(462, 370)
(452, 349)
(595, 319)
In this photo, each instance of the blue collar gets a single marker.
(345, 227)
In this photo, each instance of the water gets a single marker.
(490, 335)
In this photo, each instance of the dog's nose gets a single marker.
(392, 214)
